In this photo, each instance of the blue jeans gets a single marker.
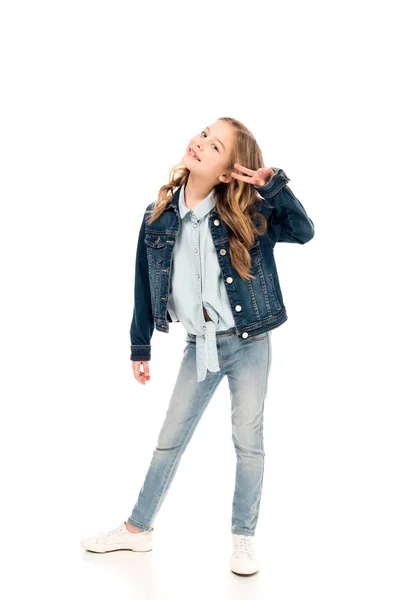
(246, 364)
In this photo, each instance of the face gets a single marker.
(213, 146)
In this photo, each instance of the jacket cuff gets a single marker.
(141, 352)
(270, 181)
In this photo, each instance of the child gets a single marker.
(205, 259)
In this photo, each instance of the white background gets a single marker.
(98, 101)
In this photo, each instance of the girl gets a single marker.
(205, 259)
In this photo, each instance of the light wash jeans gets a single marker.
(247, 366)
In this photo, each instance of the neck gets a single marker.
(196, 190)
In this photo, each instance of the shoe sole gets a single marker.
(143, 547)
(242, 570)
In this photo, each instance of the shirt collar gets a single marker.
(201, 209)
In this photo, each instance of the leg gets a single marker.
(248, 372)
(187, 404)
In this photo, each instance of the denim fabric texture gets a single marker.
(257, 305)
(246, 363)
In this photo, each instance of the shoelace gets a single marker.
(242, 543)
(104, 536)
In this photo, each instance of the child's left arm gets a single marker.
(288, 220)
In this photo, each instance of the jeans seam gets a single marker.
(262, 435)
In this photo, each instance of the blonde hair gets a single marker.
(234, 200)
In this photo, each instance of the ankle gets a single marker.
(132, 528)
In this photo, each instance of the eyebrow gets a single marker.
(216, 138)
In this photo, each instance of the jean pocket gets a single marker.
(273, 291)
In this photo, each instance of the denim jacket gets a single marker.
(257, 304)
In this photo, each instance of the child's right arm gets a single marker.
(142, 325)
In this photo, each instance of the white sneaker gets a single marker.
(243, 560)
(119, 539)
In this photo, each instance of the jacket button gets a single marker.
(229, 279)
(216, 222)
(223, 251)
(238, 307)
(245, 334)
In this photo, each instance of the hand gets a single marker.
(139, 376)
(259, 177)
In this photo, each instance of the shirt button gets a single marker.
(195, 225)
(195, 249)
(198, 275)
(229, 279)
(223, 251)
(238, 307)
(245, 334)
(203, 327)
(216, 222)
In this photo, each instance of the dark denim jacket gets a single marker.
(257, 304)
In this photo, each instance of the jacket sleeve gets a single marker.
(287, 218)
(142, 325)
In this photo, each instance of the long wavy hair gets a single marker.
(234, 201)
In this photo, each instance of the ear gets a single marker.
(226, 177)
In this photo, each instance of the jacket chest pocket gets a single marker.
(155, 247)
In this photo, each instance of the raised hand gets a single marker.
(259, 177)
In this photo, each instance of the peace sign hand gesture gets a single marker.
(259, 177)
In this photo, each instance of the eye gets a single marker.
(211, 144)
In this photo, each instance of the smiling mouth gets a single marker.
(193, 155)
